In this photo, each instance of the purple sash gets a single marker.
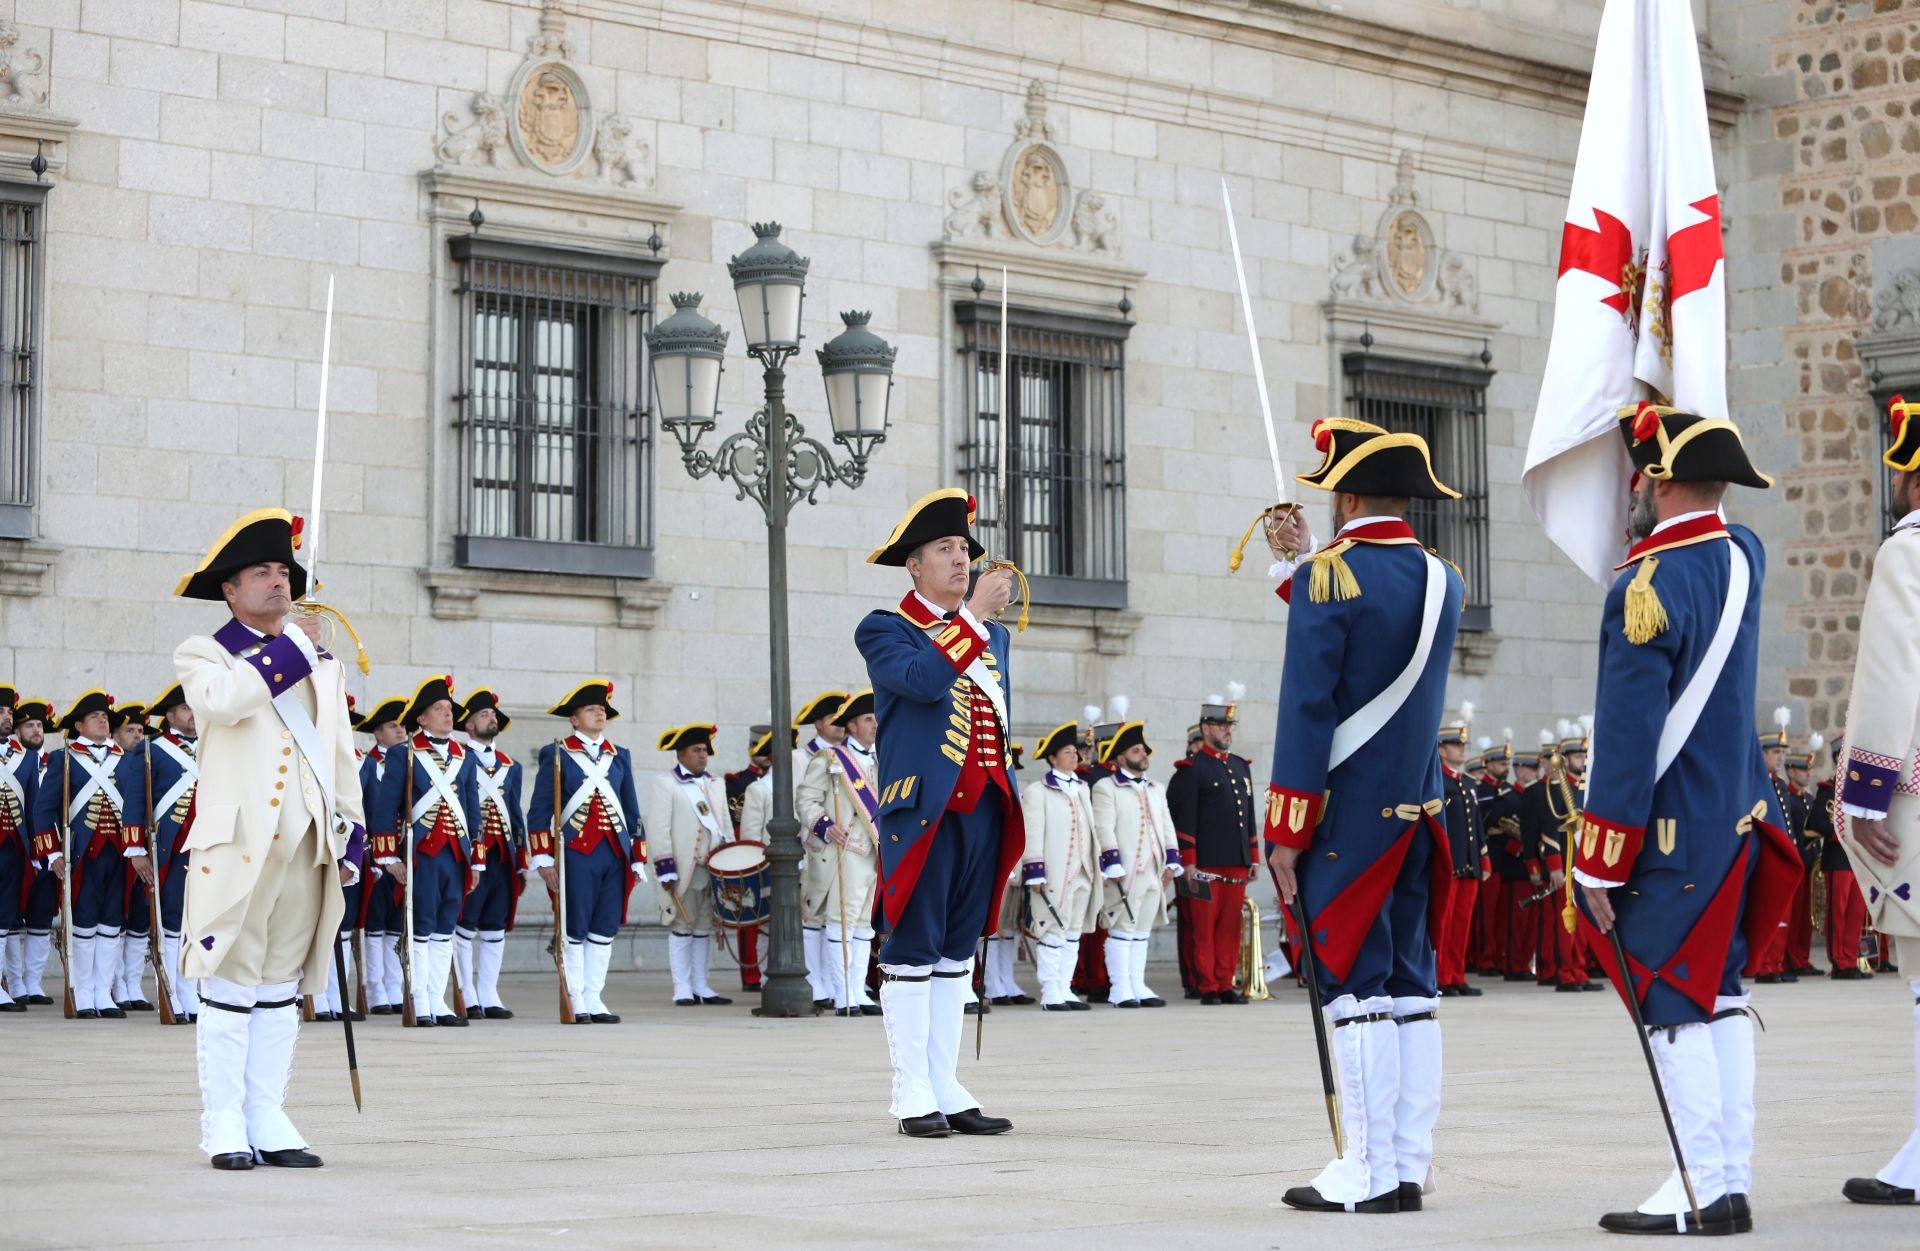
(857, 780)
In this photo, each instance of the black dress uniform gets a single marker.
(1213, 816)
(1467, 840)
(1501, 952)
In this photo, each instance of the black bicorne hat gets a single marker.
(944, 514)
(1128, 735)
(1668, 445)
(1067, 735)
(430, 692)
(599, 691)
(855, 705)
(684, 736)
(91, 702)
(1365, 459)
(482, 697)
(268, 535)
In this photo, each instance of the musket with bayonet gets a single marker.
(1282, 507)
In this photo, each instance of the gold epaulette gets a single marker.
(1449, 564)
(1332, 578)
(1646, 616)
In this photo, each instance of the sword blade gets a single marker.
(319, 448)
(1006, 431)
(1253, 346)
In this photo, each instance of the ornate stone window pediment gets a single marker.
(1401, 263)
(1031, 198)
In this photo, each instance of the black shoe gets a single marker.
(1873, 1190)
(451, 1020)
(1807, 970)
(1593, 986)
(87, 1014)
(751, 990)
(1718, 1217)
(604, 1018)
(476, 1013)
(1307, 1199)
(1155, 1001)
(421, 1022)
(1768, 979)
(1849, 974)
(870, 1009)
(380, 1009)
(1000, 1001)
(1078, 1005)
(932, 1125)
(137, 1005)
(1465, 992)
(583, 1018)
(823, 1003)
(694, 1003)
(1575, 987)
(233, 1161)
(1228, 996)
(1411, 1200)
(498, 1014)
(323, 1016)
(1789, 976)
(1511, 977)
(1210, 999)
(978, 1009)
(14, 1006)
(846, 1012)
(117, 1014)
(37, 1001)
(191, 1018)
(1448, 992)
(721, 1001)
(974, 1121)
(1191, 993)
(292, 1158)
(1128, 1003)
(1045, 1007)
(1020, 1000)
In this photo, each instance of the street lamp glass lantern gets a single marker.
(686, 351)
(769, 279)
(858, 368)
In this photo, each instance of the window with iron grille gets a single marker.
(1447, 406)
(22, 226)
(550, 413)
(1063, 519)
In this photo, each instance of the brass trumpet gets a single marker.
(1250, 979)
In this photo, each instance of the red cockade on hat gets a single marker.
(1646, 422)
(299, 528)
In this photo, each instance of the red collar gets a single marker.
(575, 743)
(1385, 530)
(1699, 530)
(1448, 770)
(914, 610)
(422, 743)
(1210, 750)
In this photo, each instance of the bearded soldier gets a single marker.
(277, 826)
(480, 936)
(1679, 809)
(1135, 831)
(686, 820)
(836, 800)
(1877, 808)
(1354, 805)
(949, 818)
(426, 816)
(584, 802)
(1060, 869)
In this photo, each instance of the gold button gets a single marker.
(279, 786)
(245, 859)
(274, 803)
(1386, 812)
(286, 751)
(1333, 855)
(286, 734)
(283, 768)
(205, 869)
(896, 837)
(1687, 887)
(276, 838)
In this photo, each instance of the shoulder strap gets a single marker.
(1358, 729)
(1686, 710)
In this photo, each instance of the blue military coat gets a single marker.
(64, 780)
(1354, 822)
(165, 806)
(386, 812)
(625, 814)
(1702, 849)
(19, 789)
(923, 703)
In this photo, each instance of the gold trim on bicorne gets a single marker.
(1345, 425)
(227, 536)
(1379, 443)
(1670, 448)
(944, 493)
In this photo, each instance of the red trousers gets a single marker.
(1216, 932)
(749, 958)
(1800, 926)
(1846, 915)
(1511, 935)
(1183, 943)
(1452, 948)
(1563, 957)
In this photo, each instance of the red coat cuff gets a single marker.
(959, 644)
(1292, 816)
(46, 843)
(540, 842)
(1608, 849)
(132, 836)
(639, 851)
(386, 846)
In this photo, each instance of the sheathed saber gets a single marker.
(1632, 996)
(1260, 383)
(346, 1021)
(1310, 971)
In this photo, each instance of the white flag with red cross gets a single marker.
(1640, 309)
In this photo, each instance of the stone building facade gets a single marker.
(503, 195)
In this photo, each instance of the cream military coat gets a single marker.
(825, 795)
(257, 787)
(1133, 819)
(1059, 816)
(1880, 770)
(675, 828)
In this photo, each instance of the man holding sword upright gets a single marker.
(276, 828)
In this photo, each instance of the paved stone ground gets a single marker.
(709, 1127)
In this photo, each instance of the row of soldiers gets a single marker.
(1509, 814)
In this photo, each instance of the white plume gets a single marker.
(1566, 729)
(1466, 710)
(1215, 699)
(1586, 724)
(1816, 741)
(1547, 739)
(1120, 705)
(1236, 691)
(1506, 734)
(1091, 714)
(1483, 742)
(1782, 717)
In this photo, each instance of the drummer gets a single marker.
(836, 801)
(687, 819)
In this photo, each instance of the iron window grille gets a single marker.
(22, 227)
(1447, 406)
(1064, 520)
(551, 413)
